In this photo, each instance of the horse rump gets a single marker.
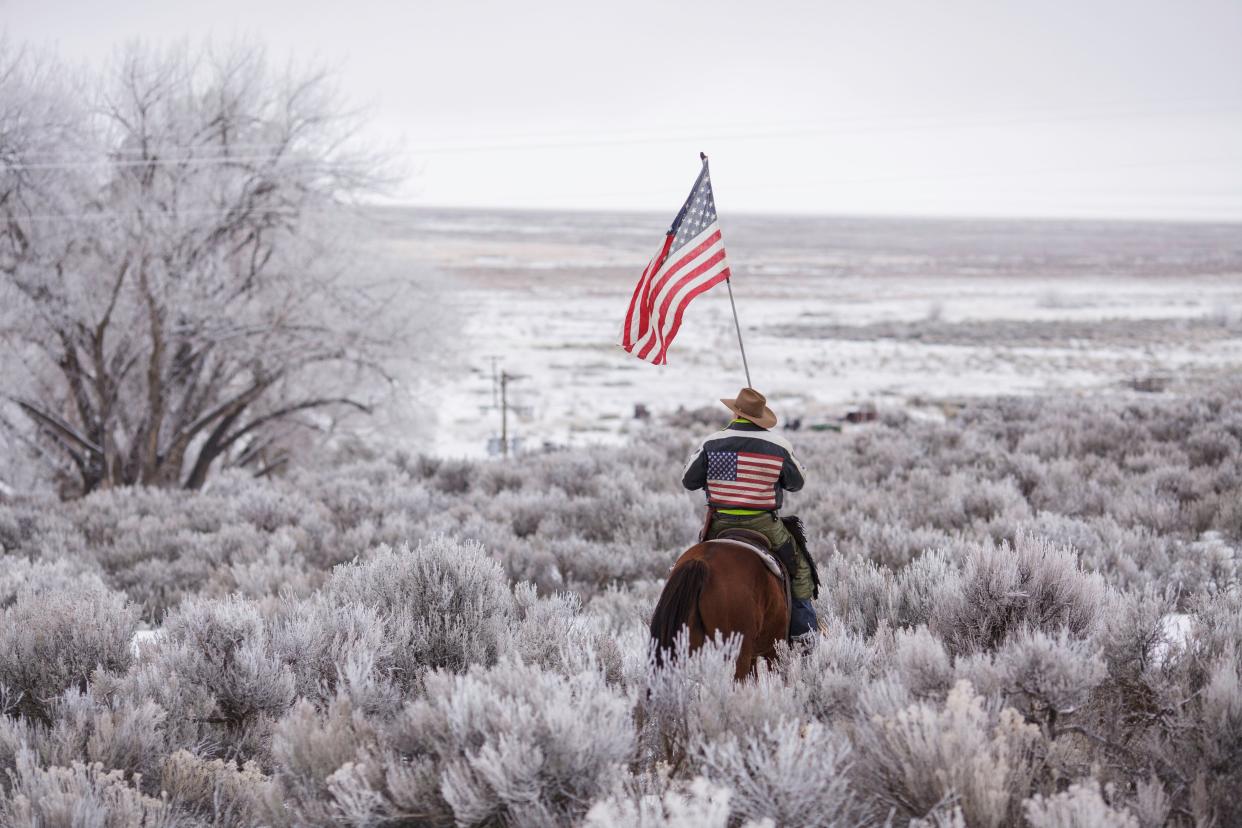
(678, 604)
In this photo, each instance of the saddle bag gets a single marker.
(793, 523)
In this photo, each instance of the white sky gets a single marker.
(1130, 108)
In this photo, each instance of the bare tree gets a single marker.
(172, 297)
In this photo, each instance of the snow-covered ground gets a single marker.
(544, 294)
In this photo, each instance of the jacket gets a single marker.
(744, 467)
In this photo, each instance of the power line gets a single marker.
(949, 176)
(212, 150)
(902, 117)
(746, 133)
(164, 162)
(1185, 162)
(104, 215)
(665, 137)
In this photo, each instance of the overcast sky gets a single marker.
(1051, 108)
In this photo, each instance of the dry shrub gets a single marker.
(445, 604)
(515, 744)
(1048, 678)
(697, 804)
(692, 700)
(793, 773)
(67, 797)
(114, 733)
(965, 752)
(1031, 585)
(827, 681)
(51, 641)
(308, 748)
(223, 647)
(389, 690)
(335, 648)
(215, 791)
(1081, 806)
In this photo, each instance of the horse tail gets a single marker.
(678, 602)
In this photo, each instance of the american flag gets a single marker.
(742, 479)
(690, 261)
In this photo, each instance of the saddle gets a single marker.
(781, 562)
(761, 546)
(756, 539)
(786, 557)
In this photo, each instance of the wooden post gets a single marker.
(504, 414)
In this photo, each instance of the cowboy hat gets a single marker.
(751, 405)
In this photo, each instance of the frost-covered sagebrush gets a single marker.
(1031, 617)
(54, 640)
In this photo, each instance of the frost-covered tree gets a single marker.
(172, 295)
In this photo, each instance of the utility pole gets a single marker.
(504, 413)
(495, 383)
(505, 379)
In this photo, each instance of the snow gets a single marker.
(144, 639)
(545, 296)
(1175, 629)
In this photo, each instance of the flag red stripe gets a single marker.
(681, 308)
(628, 330)
(685, 260)
(665, 271)
(754, 478)
(627, 338)
(753, 484)
(644, 321)
(745, 484)
(716, 492)
(678, 291)
(750, 491)
(768, 493)
(759, 458)
(641, 300)
(693, 274)
(656, 336)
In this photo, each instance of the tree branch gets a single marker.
(59, 427)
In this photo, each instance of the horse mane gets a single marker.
(678, 600)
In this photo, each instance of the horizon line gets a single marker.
(864, 215)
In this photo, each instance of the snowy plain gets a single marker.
(982, 307)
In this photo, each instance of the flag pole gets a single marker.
(736, 324)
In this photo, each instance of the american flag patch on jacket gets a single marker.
(742, 479)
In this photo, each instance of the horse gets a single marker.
(722, 586)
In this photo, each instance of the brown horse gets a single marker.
(722, 587)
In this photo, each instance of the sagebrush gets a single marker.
(1031, 615)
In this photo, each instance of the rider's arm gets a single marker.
(793, 473)
(695, 474)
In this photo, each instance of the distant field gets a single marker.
(836, 312)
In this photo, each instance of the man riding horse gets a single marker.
(746, 469)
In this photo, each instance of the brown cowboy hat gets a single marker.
(749, 404)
